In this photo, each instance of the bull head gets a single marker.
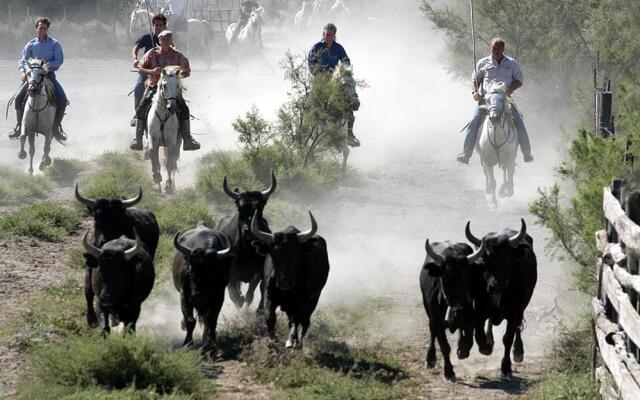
(187, 252)
(513, 240)
(127, 254)
(268, 237)
(91, 204)
(265, 193)
(471, 257)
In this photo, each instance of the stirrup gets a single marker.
(528, 157)
(15, 134)
(353, 141)
(136, 144)
(60, 136)
(463, 158)
(190, 144)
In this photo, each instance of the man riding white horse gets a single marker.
(47, 49)
(147, 42)
(152, 64)
(500, 68)
(324, 57)
(245, 14)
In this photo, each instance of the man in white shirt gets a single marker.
(501, 68)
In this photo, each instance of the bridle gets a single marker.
(37, 88)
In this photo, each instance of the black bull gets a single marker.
(122, 280)
(295, 272)
(247, 266)
(114, 218)
(510, 277)
(200, 273)
(447, 295)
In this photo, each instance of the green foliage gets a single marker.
(184, 210)
(215, 165)
(96, 393)
(17, 188)
(93, 362)
(118, 176)
(45, 221)
(164, 257)
(565, 386)
(571, 348)
(59, 311)
(64, 171)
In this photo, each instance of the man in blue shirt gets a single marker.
(146, 42)
(324, 56)
(46, 48)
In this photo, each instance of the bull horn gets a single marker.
(514, 240)
(90, 248)
(179, 246)
(470, 237)
(272, 188)
(436, 257)
(478, 253)
(263, 236)
(304, 236)
(132, 252)
(83, 200)
(226, 251)
(228, 191)
(132, 202)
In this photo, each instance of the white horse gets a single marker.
(163, 124)
(39, 112)
(498, 140)
(250, 34)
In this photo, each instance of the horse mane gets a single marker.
(496, 86)
(36, 62)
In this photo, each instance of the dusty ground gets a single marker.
(411, 189)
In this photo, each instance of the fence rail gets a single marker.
(616, 315)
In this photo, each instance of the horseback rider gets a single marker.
(323, 58)
(152, 64)
(48, 49)
(147, 42)
(501, 68)
(245, 13)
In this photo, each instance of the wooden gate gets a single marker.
(219, 13)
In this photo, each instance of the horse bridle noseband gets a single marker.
(38, 88)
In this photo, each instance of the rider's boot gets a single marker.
(16, 131)
(188, 142)
(352, 140)
(58, 133)
(136, 144)
(464, 157)
(528, 157)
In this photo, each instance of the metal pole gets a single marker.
(473, 35)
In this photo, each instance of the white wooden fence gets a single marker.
(616, 317)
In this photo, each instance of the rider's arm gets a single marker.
(517, 76)
(24, 56)
(513, 87)
(145, 66)
(134, 52)
(58, 57)
(344, 58)
(185, 68)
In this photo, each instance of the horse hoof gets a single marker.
(147, 155)
(157, 178)
(22, 154)
(168, 190)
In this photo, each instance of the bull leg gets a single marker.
(234, 293)
(103, 321)
(507, 341)
(92, 319)
(518, 347)
(465, 342)
(129, 319)
(304, 327)
(261, 303)
(248, 298)
(489, 334)
(430, 360)
(188, 321)
(445, 349)
(292, 340)
(270, 317)
(211, 322)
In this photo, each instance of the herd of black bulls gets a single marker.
(462, 289)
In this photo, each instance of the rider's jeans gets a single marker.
(138, 91)
(478, 115)
(61, 97)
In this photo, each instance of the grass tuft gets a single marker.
(65, 171)
(45, 221)
(217, 164)
(184, 210)
(17, 188)
(116, 362)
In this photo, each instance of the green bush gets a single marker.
(183, 210)
(18, 188)
(571, 347)
(118, 175)
(215, 165)
(65, 171)
(45, 221)
(126, 394)
(116, 362)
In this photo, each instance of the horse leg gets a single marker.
(46, 160)
(155, 161)
(171, 164)
(32, 151)
(345, 156)
(22, 154)
(490, 182)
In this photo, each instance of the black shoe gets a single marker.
(136, 144)
(353, 141)
(15, 134)
(132, 123)
(528, 157)
(463, 158)
(190, 144)
(59, 135)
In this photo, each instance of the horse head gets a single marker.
(256, 16)
(170, 86)
(36, 72)
(496, 100)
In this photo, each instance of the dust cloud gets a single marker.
(411, 187)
